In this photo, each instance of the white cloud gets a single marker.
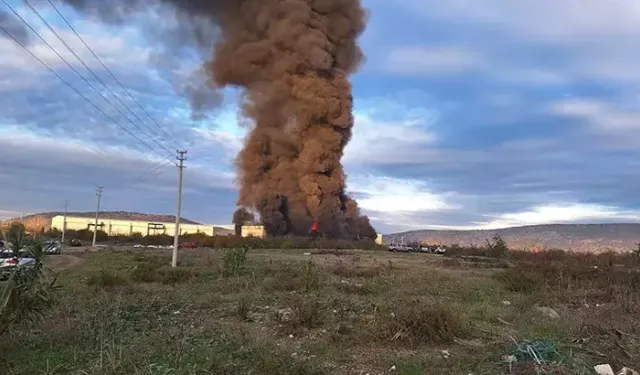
(558, 213)
(601, 116)
(111, 163)
(548, 20)
(417, 60)
(395, 202)
(114, 46)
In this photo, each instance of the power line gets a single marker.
(61, 39)
(145, 176)
(78, 73)
(77, 91)
(112, 75)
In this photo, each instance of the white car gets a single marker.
(9, 261)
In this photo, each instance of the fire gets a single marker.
(314, 226)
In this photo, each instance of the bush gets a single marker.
(29, 292)
(234, 261)
(174, 275)
(515, 280)
(497, 247)
(106, 280)
(155, 272)
(417, 323)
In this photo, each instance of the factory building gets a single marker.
(253, 231)
(115, 227)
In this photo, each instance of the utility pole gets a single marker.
(95, 226)
(64, 221)
(176, 237)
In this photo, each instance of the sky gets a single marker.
(468, 115)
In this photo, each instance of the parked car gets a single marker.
(75, 242)
(188, 245)
(399, 248)
(52, 247)
(9, 261)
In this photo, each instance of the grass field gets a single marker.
(329, 312)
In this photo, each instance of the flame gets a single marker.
(314, 226)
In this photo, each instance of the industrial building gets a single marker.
(253, 231)
(115, 227)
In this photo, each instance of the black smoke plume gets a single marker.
(293, 59)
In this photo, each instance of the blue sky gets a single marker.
(468, 115)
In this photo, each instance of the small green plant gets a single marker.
(310, 276)
(234, 261)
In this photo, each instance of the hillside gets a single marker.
(576, 237)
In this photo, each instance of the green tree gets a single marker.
(497, 247)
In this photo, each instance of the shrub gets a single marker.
(106, 279)
(234, 261)
(29, 292)
(310, 276)
(516, 280)
(306, 313)
(148, 272)
(417, 323)
(174, 275)
(497, 247)
(144, 272)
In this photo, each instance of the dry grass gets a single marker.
(347, 312)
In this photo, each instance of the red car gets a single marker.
(188, 245)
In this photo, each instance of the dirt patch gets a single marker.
(62, 262)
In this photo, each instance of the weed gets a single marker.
(418, 322)
(144, 272)
(175, 275)
(351, 271)
(310, 276)
(153, 273)
(243, 308)
(234, 261)
(414, 367)
(517, 281)
(307, 312)
(106, 279)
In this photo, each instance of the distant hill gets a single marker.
(575, 237)
(43, 219)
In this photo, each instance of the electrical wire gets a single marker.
(145, 176)
(17, 41)
(79, 75)
(112, 75)
(61, 39)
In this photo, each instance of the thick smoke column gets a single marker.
(293, 59)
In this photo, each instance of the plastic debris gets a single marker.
(628, 371)
(538, 351)
(548, 311)
(604, 369)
